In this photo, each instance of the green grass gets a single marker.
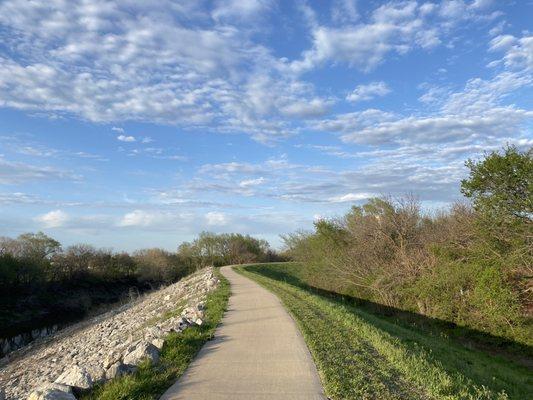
(361, 355)
(150, 381)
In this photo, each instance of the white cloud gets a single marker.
(473, 114)
(139, 218)
(344, 11)
(251, 182)
(518, 51)
(125, 138)
(120, 61)
(392, 28)
(214, 218)
(79, 61)
(501, 121)
(17, 172)
(240, 9)
(502, 42)
(304, 109)
(53, 219)
(368, 91)
(351, 197)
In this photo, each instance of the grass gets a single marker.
(361, 355)
(150, 381)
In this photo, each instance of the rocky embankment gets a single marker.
(113, 345)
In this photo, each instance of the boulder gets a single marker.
(158, 343)
(181, 324)
(96, 372)
(77, 377)
(111, 359)
(153, 332)
(143, 351)
(52, 391)
(116, 370)
(188, 311)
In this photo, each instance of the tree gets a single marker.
(225, 248)
(501, 185)
(32, 246)
(157, 265)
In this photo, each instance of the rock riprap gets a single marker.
(111, 346)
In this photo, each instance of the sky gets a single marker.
(133, 124)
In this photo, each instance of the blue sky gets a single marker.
(127, 124)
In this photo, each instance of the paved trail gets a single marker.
(258, 353)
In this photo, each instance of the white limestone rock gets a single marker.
(96, 372)
(52, 391)
(81, 352)
(77, 377)
(111, 359)
(144, 350)
(116, 370)
(159, 343)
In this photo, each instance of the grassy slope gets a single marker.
(150, 381)
(363, 356)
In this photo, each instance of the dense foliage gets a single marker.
(226, 248)
(471, 265)
(42, 284)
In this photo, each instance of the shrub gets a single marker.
(471, 265)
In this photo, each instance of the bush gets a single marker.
(470, 265)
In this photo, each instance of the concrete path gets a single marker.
(257, 353)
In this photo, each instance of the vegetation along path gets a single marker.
(363, 355)
(257, 353)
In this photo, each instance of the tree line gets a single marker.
(41, 281)
(471, 264)
(34, 259)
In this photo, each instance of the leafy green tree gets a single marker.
(501, 185)
(38, 245)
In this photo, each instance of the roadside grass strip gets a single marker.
(363, 356)
(150, 381)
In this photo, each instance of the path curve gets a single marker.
(257, 353)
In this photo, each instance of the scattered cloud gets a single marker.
(344, 11)
(53, 219)
(140, 218)
(29, 147)
(394, 28)
(352, 197)
(240, 10)
(118, 64)
(125, 138)
(73, 60)
(214, 218)
(472, 114)
(251, 182)
(518, 51)
(13, 173)
(18, 198)
(368, 92)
